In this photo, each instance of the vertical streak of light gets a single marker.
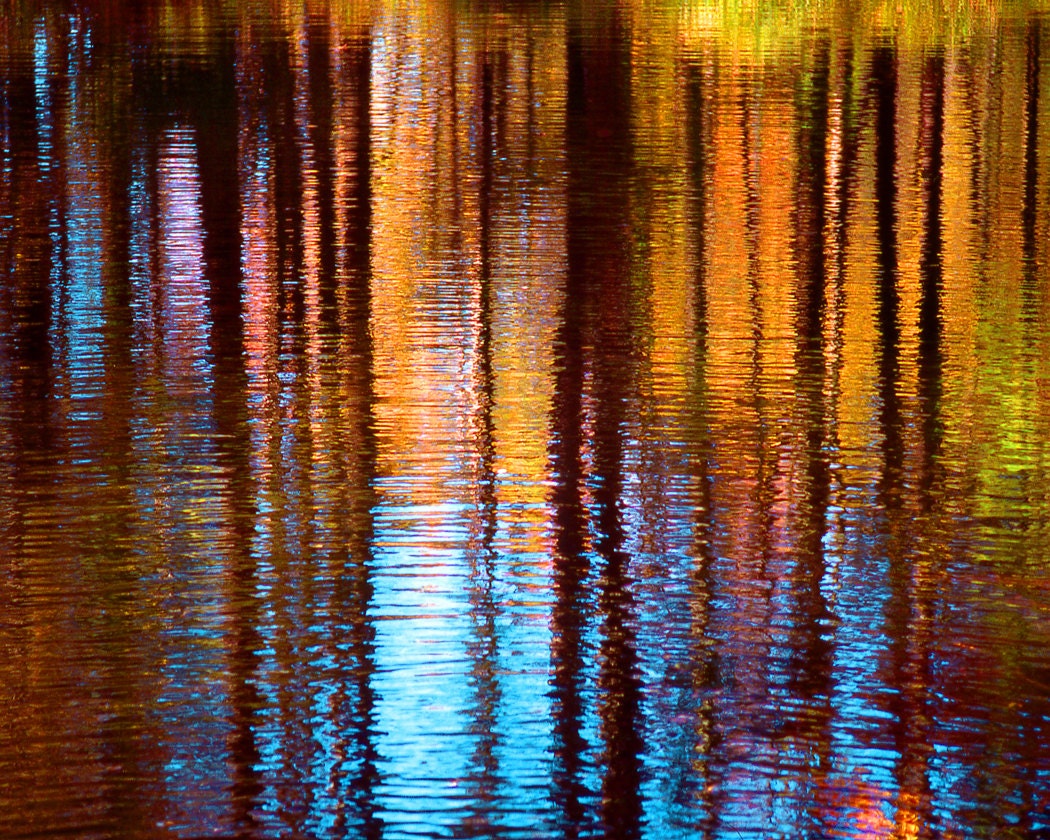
(310, 75)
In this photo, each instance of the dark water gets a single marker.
(530, 420)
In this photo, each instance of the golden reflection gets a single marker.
(437, 261)
(425, 304)
(526, 264)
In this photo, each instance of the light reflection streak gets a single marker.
(183, 336)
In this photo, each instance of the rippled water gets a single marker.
(524, 420)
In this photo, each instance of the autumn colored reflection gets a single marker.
(535, 420)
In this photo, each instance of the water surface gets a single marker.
(524, 420)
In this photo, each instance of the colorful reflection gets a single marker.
(558, 420)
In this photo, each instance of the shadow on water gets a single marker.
(595, 334)
(484, 783)
(356, 777)
(812, 665)
(884, 92)
(572, 608)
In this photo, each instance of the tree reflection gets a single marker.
(814, 622)
(484, 647)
